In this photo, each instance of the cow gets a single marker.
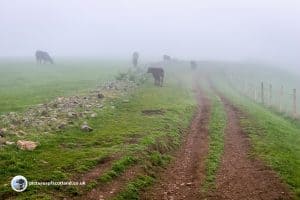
(135, 57)
(193, 64)
(166, 58)
(43, 57)
(158, 75)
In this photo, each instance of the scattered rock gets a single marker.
(44, 113)
(20, 132)
(9, 143)
(100, 96)
(26, 145)
(72, 115)
(93, 115)
(53, 119)
(62, 125)
(3, 131)
(43, 161)
(99, 106)
(12, 127)
(2, 141)
(189, 184)
(86, 128)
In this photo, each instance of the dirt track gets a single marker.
(242, 177)
(183, 177)
(239, 176)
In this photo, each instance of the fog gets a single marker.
(264, 30)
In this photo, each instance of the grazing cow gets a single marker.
(43, 57)
(158, 75)
(166, 58)
(193, 64)
(135, 57)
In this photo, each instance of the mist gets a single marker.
(205, 30)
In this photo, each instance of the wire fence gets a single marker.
(277, 96)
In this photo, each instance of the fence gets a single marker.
(281, 98)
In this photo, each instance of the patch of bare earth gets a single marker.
(111, 189)
(242, 177)
(182, 178)
(153, 112)
(94, 173)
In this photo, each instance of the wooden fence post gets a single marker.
(262, 93)
(245, 88)
(255, 94)
(280, 98)
(294, 102)
(270, 95)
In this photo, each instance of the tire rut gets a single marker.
(242, 177)
(183, 177)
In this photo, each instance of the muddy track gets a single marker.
(111, 189)
(184, 175)
(242, 177)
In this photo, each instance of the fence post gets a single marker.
(255, 94)
(270, 95)
(294, 102)
(280, 98)
(245, 88)
(262, 93)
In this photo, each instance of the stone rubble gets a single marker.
(26, 145)
(61, 112)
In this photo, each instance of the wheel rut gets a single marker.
(241, 176)
(183, 177)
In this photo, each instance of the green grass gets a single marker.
(216, 143)
(275, 138)
(26, 83)
(133, 188)
(122, 129)
(117, 168)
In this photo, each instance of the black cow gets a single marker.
(158, 75)
(166, 58)
(135, 57)
(43, 57)
(193, 64)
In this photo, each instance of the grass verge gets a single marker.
(216, 143)
(275, 138)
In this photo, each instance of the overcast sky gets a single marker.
(200, 29)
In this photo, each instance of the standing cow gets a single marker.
(43, 57)
(135, 57)
(193, 64)
(158, 75)
(166, 58)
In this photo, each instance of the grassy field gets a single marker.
(121, 131)
(26, 83)
(130, 138)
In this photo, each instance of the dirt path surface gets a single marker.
(110, 190)
(183, 177)
(242, 177)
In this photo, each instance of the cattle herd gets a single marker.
(157, 71)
